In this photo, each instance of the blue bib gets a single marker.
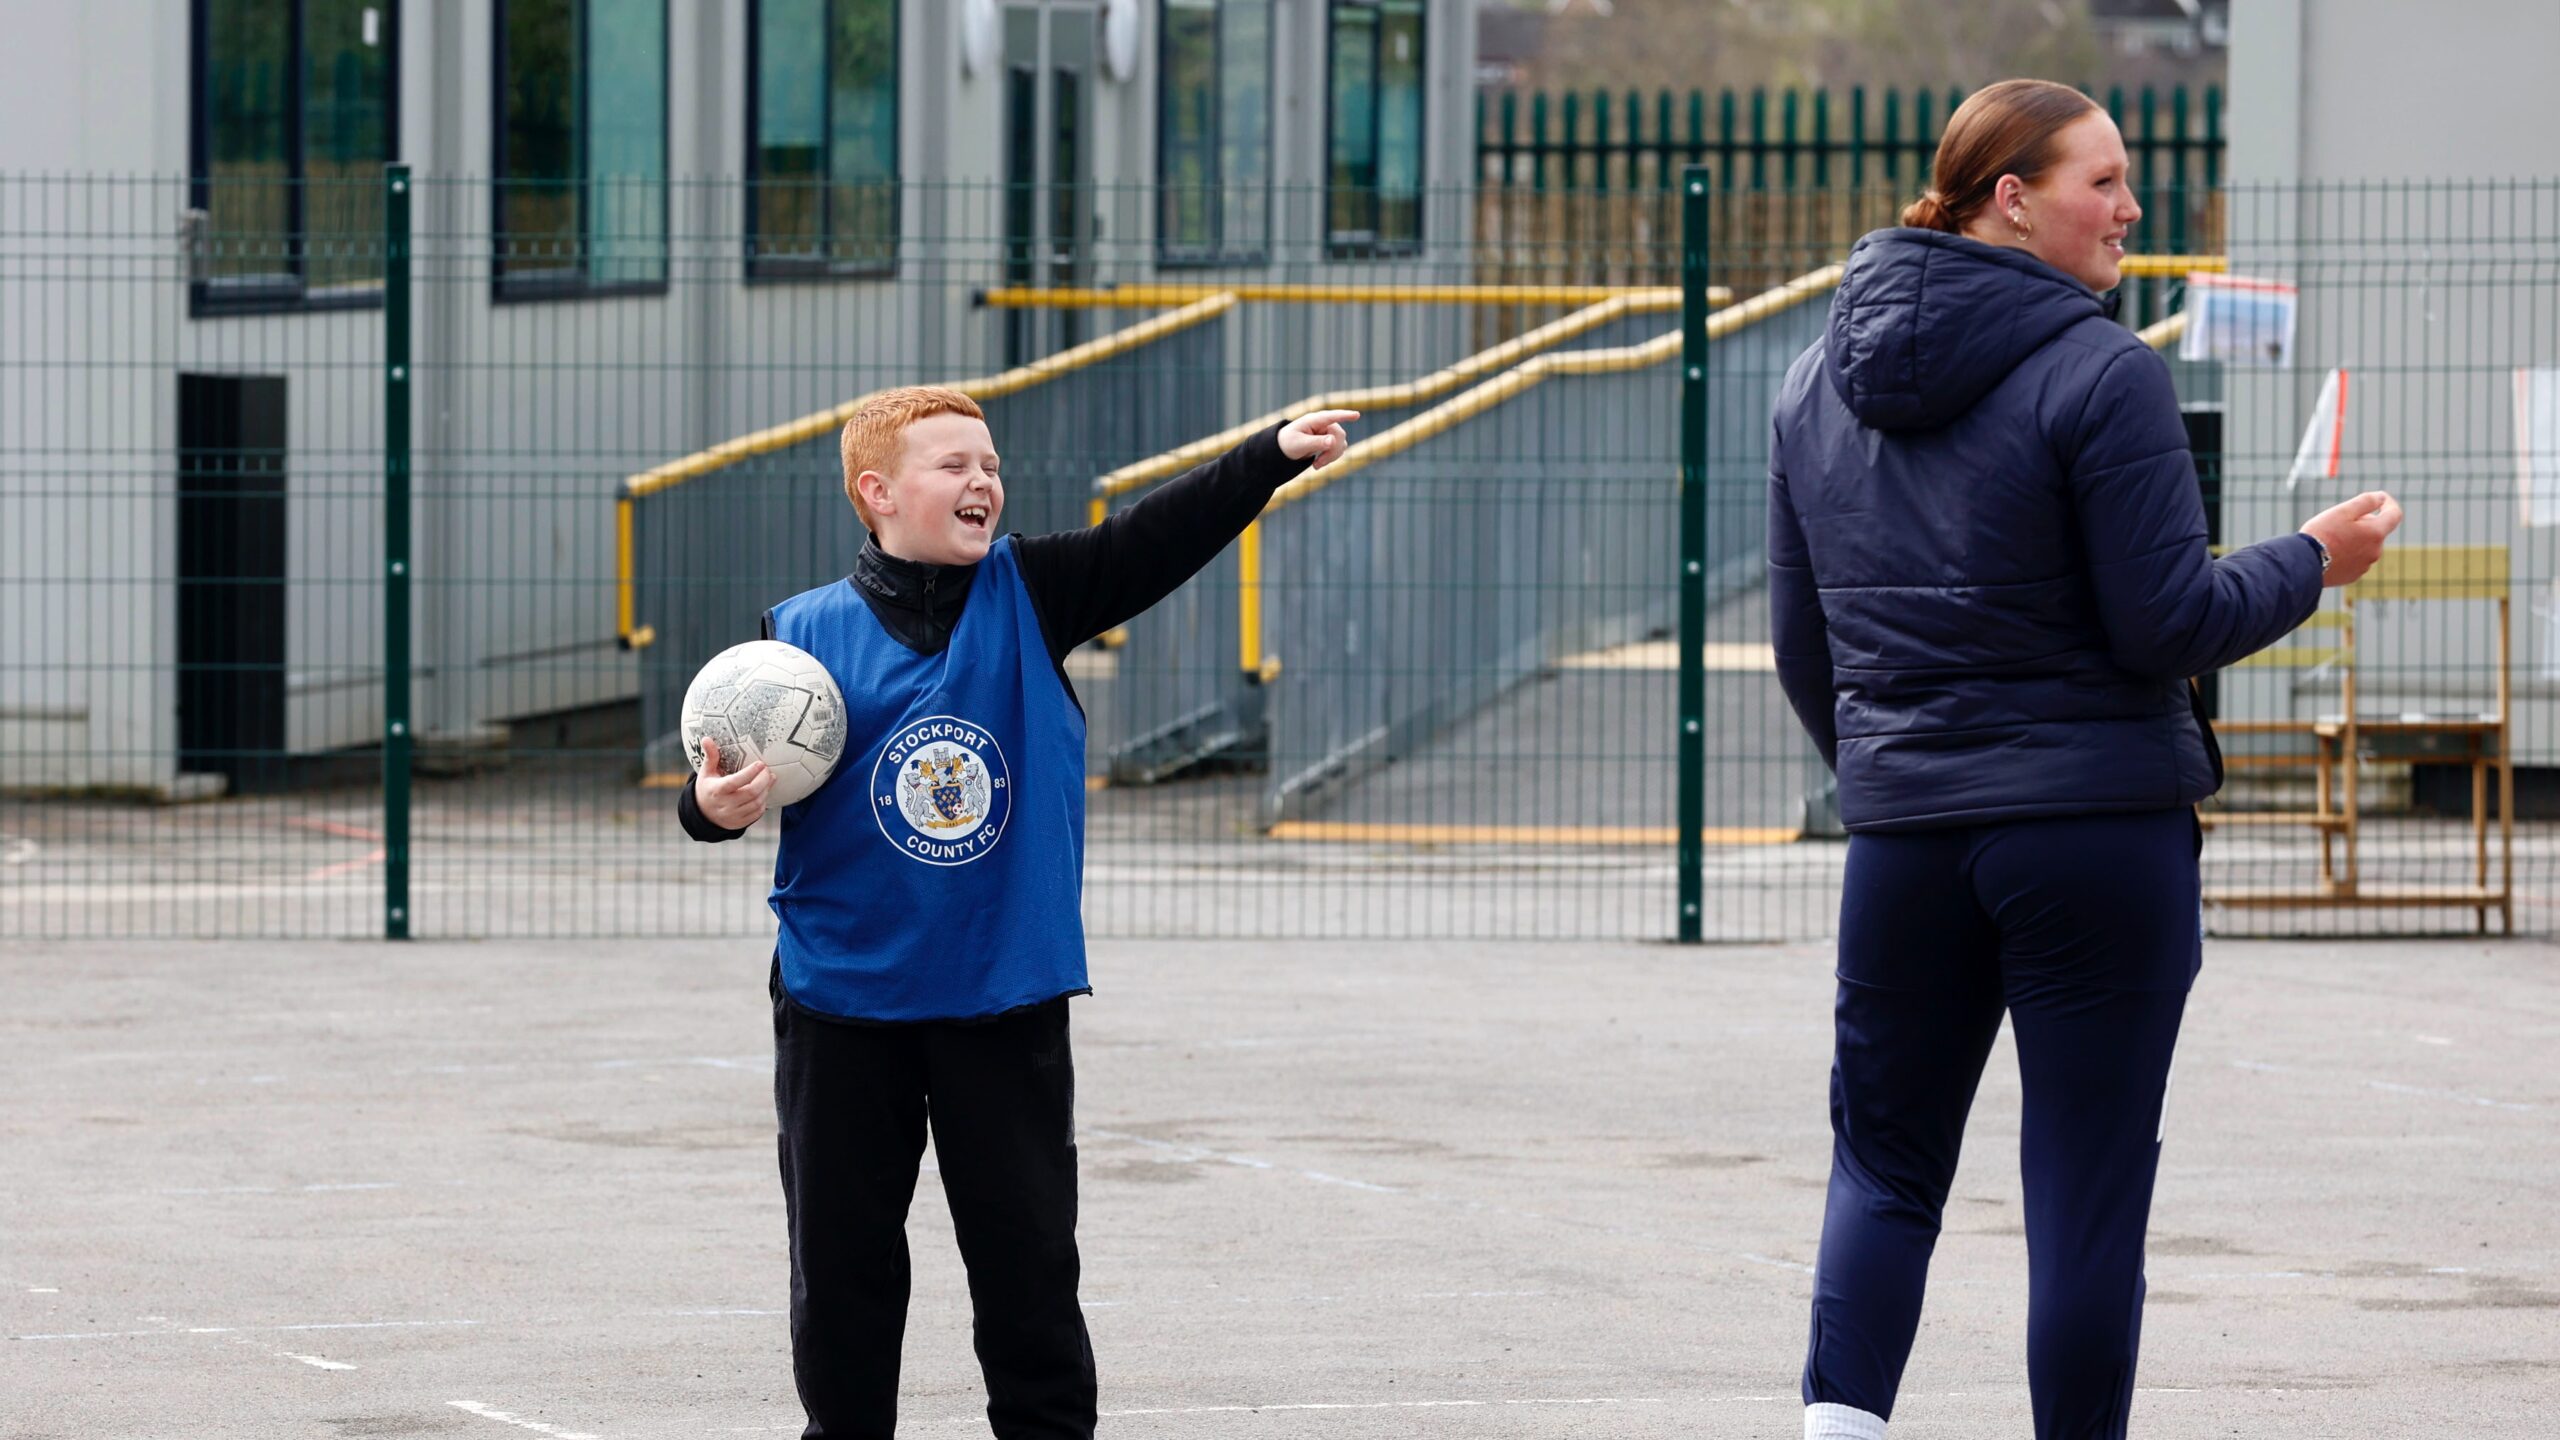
(938, 874)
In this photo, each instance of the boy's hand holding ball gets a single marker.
(732, 802)
(1316, 437)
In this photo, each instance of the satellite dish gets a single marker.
(1120, 38)
(977, 36)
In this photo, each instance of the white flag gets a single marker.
(2318, 454)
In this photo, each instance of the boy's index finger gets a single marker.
(1322, 418)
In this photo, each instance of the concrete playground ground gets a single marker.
(1331, 1189)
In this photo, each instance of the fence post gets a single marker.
(395, 545)
(1694, 214)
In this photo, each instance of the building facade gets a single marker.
(640, 227)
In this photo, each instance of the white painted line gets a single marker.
(276, 1189)
(503, 1418)
(1780, 1264)
(44, 1290)
(245, 1329)
(16, 850)
(2431, 1039)
(1284, 1407)
(316, 1361)
(2481, 1100)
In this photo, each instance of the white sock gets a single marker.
(1841, 1422)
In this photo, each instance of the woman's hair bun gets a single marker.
(1929, 212)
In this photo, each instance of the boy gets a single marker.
(929, 897)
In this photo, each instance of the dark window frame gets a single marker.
(1360, 245)
(1219, 253)
(803, 269)
(554, 285)
(207, 298)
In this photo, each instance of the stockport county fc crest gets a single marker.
(941, 792)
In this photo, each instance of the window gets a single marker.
(1373, 195)
(581, 147)
(822, 143)
(1213, 163)
(294, 118)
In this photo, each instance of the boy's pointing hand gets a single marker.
(1317, 437)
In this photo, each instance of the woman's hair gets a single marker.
(2006, 129)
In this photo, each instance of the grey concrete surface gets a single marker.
(1330, 1190)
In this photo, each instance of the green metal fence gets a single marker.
(1592, 176)
(1598, 142)
(366, 613)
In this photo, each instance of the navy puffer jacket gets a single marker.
(1988, 574)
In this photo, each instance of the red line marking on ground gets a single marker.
(332, 827)
(342, 867)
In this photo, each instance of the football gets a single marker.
(768, 701)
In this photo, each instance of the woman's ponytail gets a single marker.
(1930, 212)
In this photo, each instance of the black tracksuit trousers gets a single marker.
(854, 1101)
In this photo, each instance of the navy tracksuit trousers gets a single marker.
(2084, 930)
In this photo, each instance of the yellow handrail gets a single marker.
(2156, 266)
(2163, 333)
(809, 427)
(1026, 297)
(1483, 362)
(1021, 377)
(1399, 438)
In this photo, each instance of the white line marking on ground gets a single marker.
(44, 1290)
(2431, 1039)
(245, 1329)
(1360, 1405)
(536, 1426)
(2481, 1100)
(16, 850)
(321, 1189)
(316, 1360)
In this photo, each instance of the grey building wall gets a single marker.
(526, 414)
(2396, 162)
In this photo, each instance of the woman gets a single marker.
(1990, 584)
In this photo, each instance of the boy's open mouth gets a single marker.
(973, 516)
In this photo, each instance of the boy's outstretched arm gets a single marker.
(1084, 582)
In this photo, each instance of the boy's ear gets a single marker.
(874, 488)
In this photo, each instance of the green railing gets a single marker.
(366, 617)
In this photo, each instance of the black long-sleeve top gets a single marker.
(1082, 582)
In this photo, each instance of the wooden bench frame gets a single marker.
(2340, 743)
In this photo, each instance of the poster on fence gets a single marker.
(2538, 445)
(2239, 321)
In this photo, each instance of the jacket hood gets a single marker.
(1927, 323)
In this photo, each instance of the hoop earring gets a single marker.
(2021, 226)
